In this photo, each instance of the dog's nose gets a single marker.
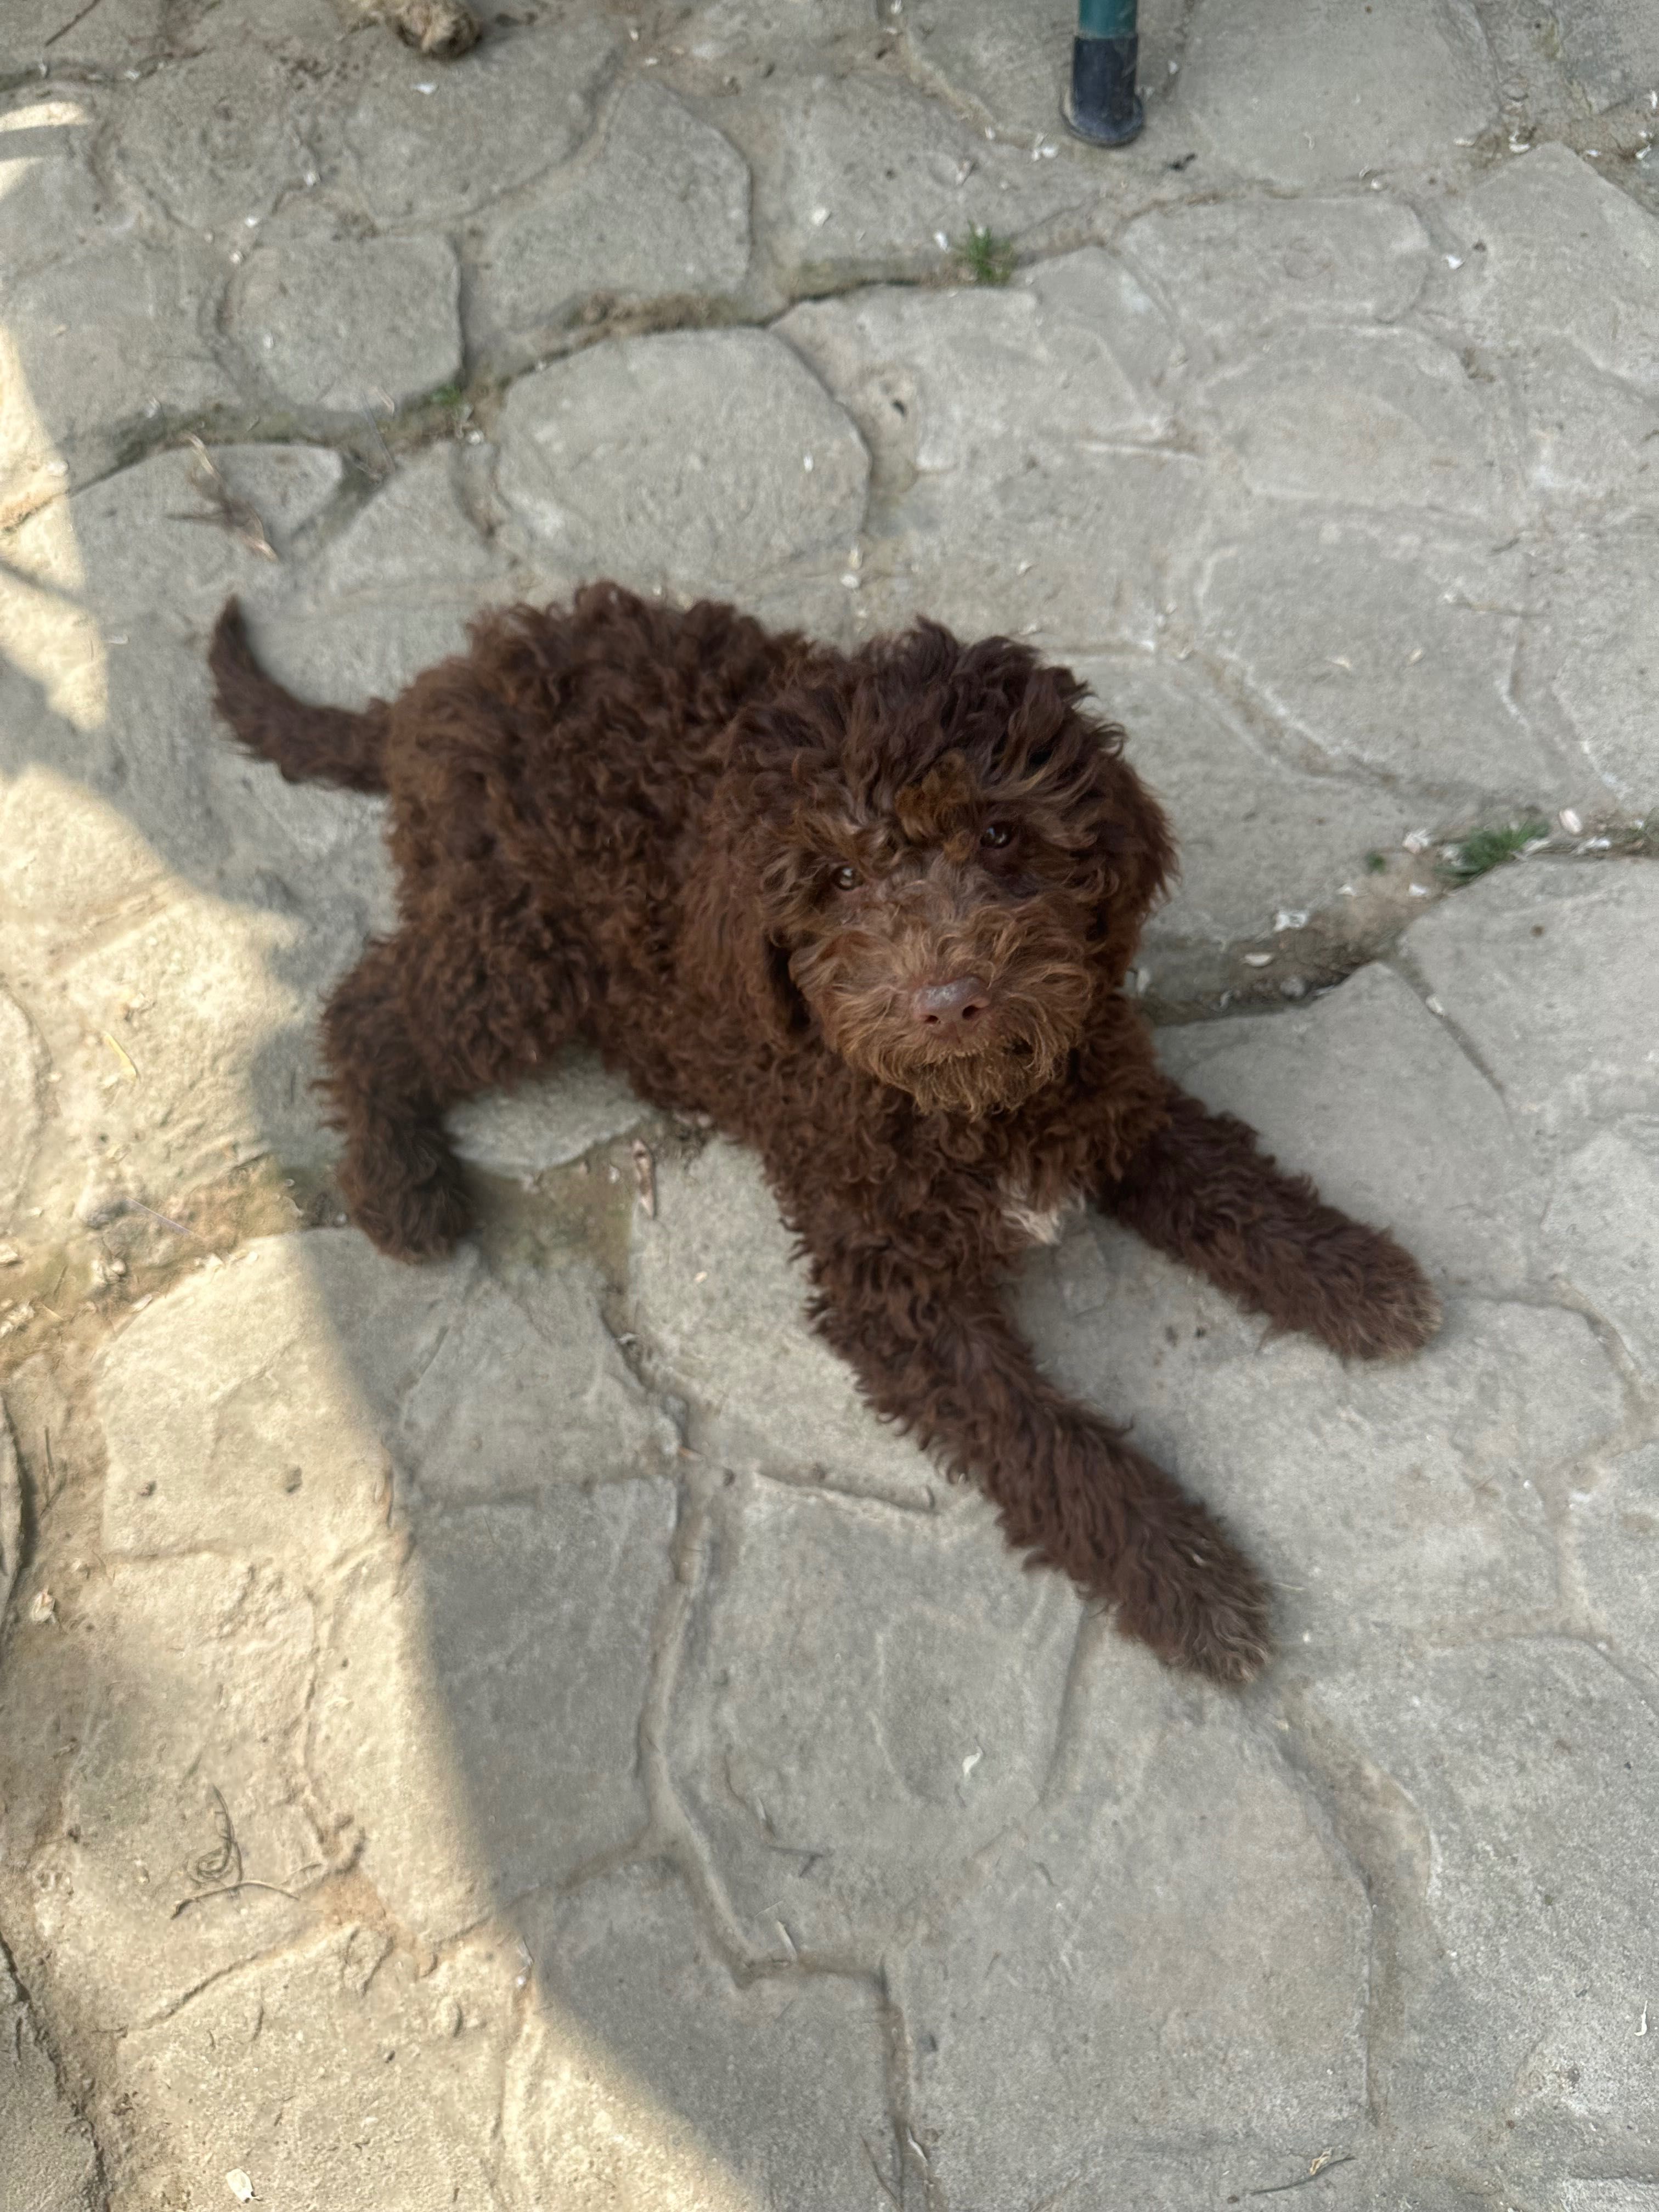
(952, 1006)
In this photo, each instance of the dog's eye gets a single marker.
(995, 833)
(846, 879)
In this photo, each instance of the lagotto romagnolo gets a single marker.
(871, 913)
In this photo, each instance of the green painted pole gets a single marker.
(1104, 108)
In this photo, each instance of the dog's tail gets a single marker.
(323, 744)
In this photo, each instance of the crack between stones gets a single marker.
(1401, 959)
(911, 2161)
(1641, 1423)
(78, 2098)
(1293, 1757)
(670, 1831)
(1389, 1844)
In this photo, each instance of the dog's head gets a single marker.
(940, 858)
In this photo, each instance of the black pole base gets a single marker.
(1104, 108)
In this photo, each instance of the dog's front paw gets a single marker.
(1186, 1592)
(1372, 1301)
(409, 1218)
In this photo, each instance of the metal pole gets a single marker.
(1104, 108)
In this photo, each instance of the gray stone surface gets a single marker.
(1259, 838)
(214, 1673)
(38, 31)
(548, 1123)
(1551, 250)
(519, 1732)
(20, 1109)
(413, 535)
(1028, 404)
(765, 2068)
(1370, 641)
(865, 178)
(1323, 95)
(1598, 650)
(1585, 436)
(339, 2071)
(525, 1392)
(64, 862)
(1528, 1833)
(339, 324)
(728, 32)
(114, 336)
(1567, 1032)
(1596, 1236)
(1612, 51)
(421, 143)
(211, 994)
(1141, 1938)
(1367, 419)
(163, 508)
(524, 1633)
(51, 2163)
(218, 138)
(1230, 269)
(660, 211)
(848, 1766)
(1081, 330)
(50, 194)
(1615, 1528)
(621, 464)
(11, 1510)
(229, 1409)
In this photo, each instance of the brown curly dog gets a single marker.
(872, 913)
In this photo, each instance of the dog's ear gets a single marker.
(1135, 850)
(728, 947)
(1055, 735)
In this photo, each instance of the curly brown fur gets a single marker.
(872, 914)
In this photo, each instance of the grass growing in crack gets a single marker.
(987, 259)
(1484, 849)
(445, 395)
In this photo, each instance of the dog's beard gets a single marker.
(1036, 1017)
(971, 1084)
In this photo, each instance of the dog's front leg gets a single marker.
(939, 1356)
(1202, 1190)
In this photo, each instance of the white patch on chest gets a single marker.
(1037, 1224)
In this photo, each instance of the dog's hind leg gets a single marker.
(939, 1356)
(475, 999)
(401, 1180)
(1202, 1190)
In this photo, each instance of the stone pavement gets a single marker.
(518, 1734)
